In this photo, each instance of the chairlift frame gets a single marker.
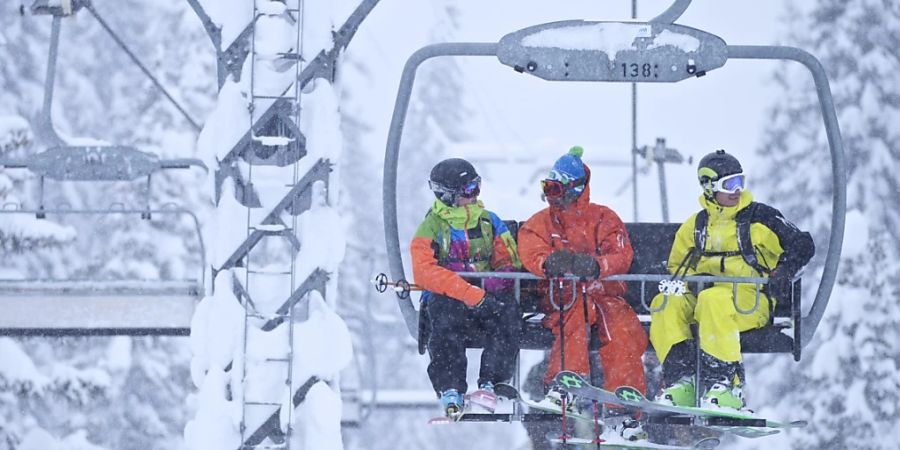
(122, 307)
(551, 63)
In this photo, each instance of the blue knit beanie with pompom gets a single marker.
(569, 166)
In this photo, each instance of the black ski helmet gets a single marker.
(716, 165)
(450, 177)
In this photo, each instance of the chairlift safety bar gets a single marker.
(142, 212)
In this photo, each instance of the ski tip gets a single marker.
(440, 421)
(564, 375)
(570, 380)
(708, 443)
(565, 439)
(506, 391)
(629, 394)
(799, 423)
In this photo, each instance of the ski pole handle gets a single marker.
(401, 287)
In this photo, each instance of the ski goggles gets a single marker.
(469, 190)
(472, 188)
(556, 188)
(730, 184)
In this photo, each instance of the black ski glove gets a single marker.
(489, 304)
(584, 266)
(780, 283)
(558, 263)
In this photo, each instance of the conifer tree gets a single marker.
(848, 377)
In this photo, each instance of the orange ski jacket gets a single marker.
(582, 227)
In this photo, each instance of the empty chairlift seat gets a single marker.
(78, 308)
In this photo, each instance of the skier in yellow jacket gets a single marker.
(732, 236)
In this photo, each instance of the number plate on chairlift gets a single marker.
(577, 50)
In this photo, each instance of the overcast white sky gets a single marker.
(518, 115)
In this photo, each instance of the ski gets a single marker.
(483, 399)
(451, 418)
(630, 394)
(616, 442)
(448, 419)
(474, 412)
(478, 400)
(733, 422)
(511, 393)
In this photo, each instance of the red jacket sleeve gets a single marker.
(616, 252)
(534, 244)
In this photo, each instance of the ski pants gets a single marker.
(719, 321)
(497, 324)
(623, 341)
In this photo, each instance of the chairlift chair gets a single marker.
(660, 52)
(87, 306)
(97, 307)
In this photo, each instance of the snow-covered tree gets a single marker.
(849, 374)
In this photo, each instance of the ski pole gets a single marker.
(587, 337)
(401, 287)
(562, 356)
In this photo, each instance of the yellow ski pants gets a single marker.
(719, 322)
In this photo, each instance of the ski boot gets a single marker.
(452, 403)
(632, 430)
(681, 393)
(723, 394)
(484, 397)
(555, 398)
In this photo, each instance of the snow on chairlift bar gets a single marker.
(577, 50)
(97, 163)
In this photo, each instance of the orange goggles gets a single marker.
(556, 188)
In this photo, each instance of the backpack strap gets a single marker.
(700, 231)
(743, 219)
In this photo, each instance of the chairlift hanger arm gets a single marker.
(45, 127)
(672, 14)
(392, 155)
(838, 169)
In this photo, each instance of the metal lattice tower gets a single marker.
(272, 151)
(279, 140)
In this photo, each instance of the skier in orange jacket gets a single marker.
(577, 237)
